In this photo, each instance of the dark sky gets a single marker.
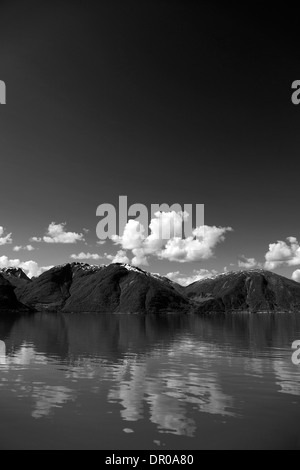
(162, 101)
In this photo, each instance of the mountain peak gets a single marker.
(255, 290)
(17, 272)
(15, 276)
(86, 266)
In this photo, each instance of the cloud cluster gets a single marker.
(166, 242)
(197, 275)
(5, 239)
(86, 256)
(26, 248)
(248, 263)
(56, 233)
(120, 257)
(283, 253)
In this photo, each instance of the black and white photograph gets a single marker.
(149, 228)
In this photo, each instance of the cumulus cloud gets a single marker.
(27, 248)
(56, 233)
(85, 256)
(296, 275)
(133, 236)
(166, 242)
(5, 239)
(30, 267)
(120, 257)
(283, 253)
(194, 249)
(140, 258)
(248, 263)
(197, 275)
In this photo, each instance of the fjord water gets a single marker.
(149, 382)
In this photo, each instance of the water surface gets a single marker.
(149, 382)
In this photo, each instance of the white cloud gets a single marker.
(194, 249)
(27, 248)
(139, 259)
(5, 239)
(120, 257)
(133, 236)
(85, 256)
(296, 275)
(283, 253)
(30, 267)
(56, 234)
(165, 240)
(187, 280)
(248, 263)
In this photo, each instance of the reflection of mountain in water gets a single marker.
(168, 368)
(113, 336)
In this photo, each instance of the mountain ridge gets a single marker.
(256, 290)
(122, 288)
(115, 288)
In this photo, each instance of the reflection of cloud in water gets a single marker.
(162, 370)
(288, 377)
(24, 356)
(47, 397)
(255, 366)
(168, 390)
(167, 412)
(130, 392)
(203, 391)
(169, 415)
(164, 383)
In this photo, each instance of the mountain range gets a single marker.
(121, 288)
